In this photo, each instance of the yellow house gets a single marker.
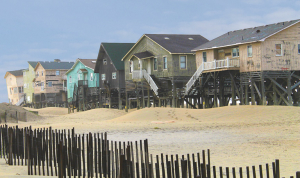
(260, 64)
(14, 83)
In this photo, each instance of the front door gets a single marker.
(221, 54)
(149, 67)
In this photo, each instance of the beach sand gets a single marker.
(236, 135)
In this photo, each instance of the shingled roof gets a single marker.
(33, 63)
(143, 55)
(247, 35)
(177, 43)
(56, 65)
(115, 51)
(15, 73)
(91, 63)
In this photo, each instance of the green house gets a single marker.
(28, 78)
(82, 74)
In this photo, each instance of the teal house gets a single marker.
(82, 74)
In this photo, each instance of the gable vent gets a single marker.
(191, 38)
(167, 38)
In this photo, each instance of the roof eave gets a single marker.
(280, 30)
(235, 44)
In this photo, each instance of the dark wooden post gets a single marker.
(289, 90)
(148, 100)
(233, 92)
(221, 91)
(215, 91)
(174, 94)
(252, 92)
(263, 95)
(246, 94)
(126, 101)
(120, 99)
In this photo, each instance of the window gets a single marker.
(139, 64)
(298, 48)
(49, 84)
(16, 90)
(204, 59)
(182, 62)
(57, 72)
(20, 89)
(104, 61)
(78, 76)
(37, 74)
(92, 77)
(42, 73)
(155, 64)
(114, 75)
(42, 86)
(249, 50)
(235, 52)
(130, 66)
(278, 49)
(102, 76)
(28, 98)
(70, 79)
(11, 91)
(165, 62)
(33, 84)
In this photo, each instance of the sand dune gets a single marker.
(236, 135)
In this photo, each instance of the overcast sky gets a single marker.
(45, 30)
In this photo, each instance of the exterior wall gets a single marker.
(250, 64)
(76, 75)
(28, 77)
(13, 82)
(190, 65)
(290, 60)
(210, 56)
(47, 77)
(108, 69)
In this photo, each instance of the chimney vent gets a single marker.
(57, 60)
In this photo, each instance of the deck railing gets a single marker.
(216, 64)
(139, 74)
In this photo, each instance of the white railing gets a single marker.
(137, 74)
(21, 100)
(151, 82)
(216, 64)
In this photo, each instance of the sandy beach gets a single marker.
(236, 135)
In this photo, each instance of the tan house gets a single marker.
(14, 83)
(50, 86)
(260, 63)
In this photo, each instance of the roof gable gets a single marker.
(15, 73)
(33, 63)
(86, 62)
(115, 51)
(248, 35)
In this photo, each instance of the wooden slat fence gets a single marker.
(64, 153)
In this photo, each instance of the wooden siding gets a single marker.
(11, 83)
(250, 64)
(210, 56)
(28, 77)
(290, 60)
(48, 75)
(108, 69)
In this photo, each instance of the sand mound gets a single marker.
(11, 108)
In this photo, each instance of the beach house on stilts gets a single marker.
(258, 65)
(157, 68)
(111, 74)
